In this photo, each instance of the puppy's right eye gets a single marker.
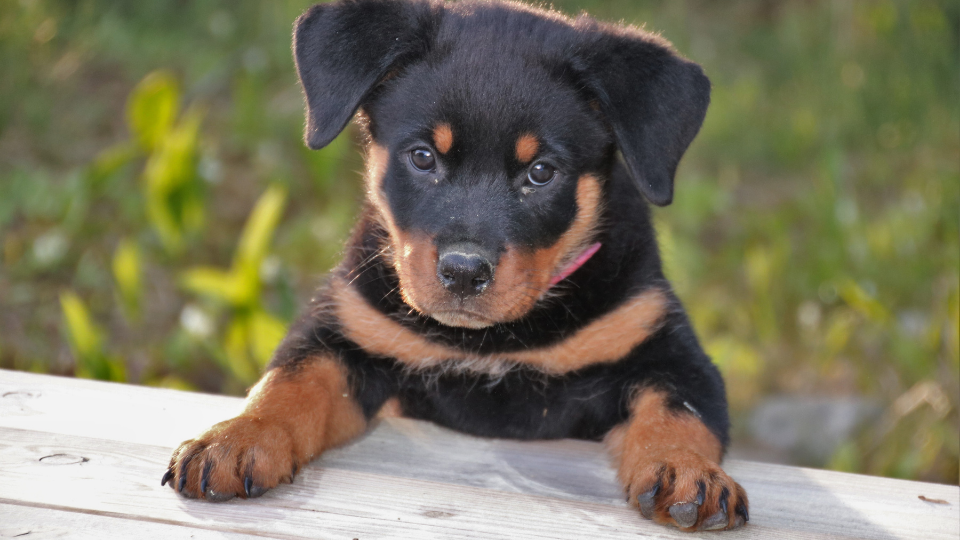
(423, 159)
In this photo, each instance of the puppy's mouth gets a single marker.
(465, 318)
(461, 318)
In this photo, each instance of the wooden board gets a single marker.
(32, 523)
(97, 450)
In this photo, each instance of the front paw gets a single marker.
(242, 457)
(688, 491)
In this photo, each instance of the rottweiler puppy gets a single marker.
(503, 279)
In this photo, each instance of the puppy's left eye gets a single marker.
(423, 159)
(541, 174)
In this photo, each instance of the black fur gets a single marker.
(494, 71)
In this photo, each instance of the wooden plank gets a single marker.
(120, 479)
(408, 456)
(104, 410)
(31, 523)
(159, 417)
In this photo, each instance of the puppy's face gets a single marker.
(487, 172)
(492, 128)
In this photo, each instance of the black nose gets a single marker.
(464, 274)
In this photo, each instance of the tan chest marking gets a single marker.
(604, 340)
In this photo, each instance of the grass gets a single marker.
(815, 234)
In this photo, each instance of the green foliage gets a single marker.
(126, 272)
(152, 109)
(251, 333)
(174, 194)
(86, 342)
(814, 236)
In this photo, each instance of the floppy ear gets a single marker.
(654, 99)
(343, 50)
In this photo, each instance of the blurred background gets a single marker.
(161, 221)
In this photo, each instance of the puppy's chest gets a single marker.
(606, 339)
(519, 403)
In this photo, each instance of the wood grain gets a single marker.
(43, 523)
(405, 479)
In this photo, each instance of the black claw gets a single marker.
(166, 477)
(183, 473)
(247, 484)
(715, 522)
(701, 492)
(648, 501)
(647, 504)
(203, 477)
(742, 510)
(723, 500)
(685, 514)
(213, 496)
(257, 491)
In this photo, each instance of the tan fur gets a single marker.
(390, 409)
(529, 273)
(527, 146)
(377, 161)
(521, 278)
(606, 339)
(675, 448)
(377, 333)
(290, 418)
(314, 402)
(415, 259)
(413, 256)
(443, 138)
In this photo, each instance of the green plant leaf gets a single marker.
(85, 338)
(126, 273)
(216, 284)
(86, 342)
(266, 332)
(152, 108)
(258, 231)
(109, 161)
(862, 302)
(236, 345)
(174, 198)
(240, 287)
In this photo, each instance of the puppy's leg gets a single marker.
(292, 415)
(669, 466)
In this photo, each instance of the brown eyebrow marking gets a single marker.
(527, 146)
(443, 138)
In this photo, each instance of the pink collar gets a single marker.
(577, 263)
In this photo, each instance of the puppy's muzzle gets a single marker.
(463, 271)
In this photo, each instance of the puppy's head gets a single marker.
(492, 129)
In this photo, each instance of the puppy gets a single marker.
(503, 279)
